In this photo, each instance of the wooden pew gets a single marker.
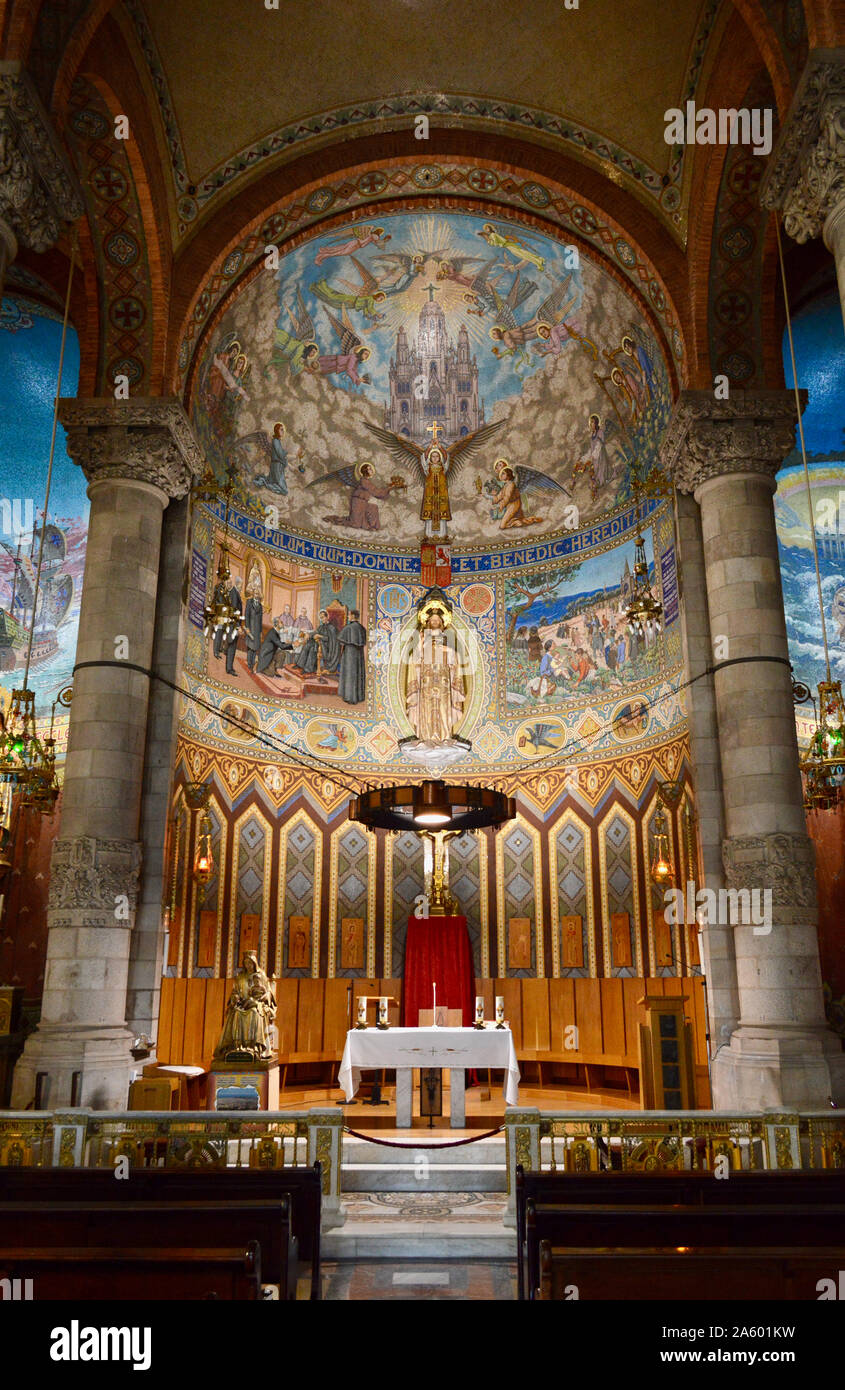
(671, 1275)
(159, 1225)
(825, 1187)
(302, 1186)
(624, 1228)
(139, 1274)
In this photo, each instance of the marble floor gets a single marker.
(481, 1280)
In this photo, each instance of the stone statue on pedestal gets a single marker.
(249, 1016)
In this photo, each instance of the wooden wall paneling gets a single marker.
(299, 943)
(287, 1002)
(664, 954)
(216, 998)
(309, 1023)
(562, 1016)
(699, 1019)
(692, 943)
(519, 943)
(192, 1050)
(588, 1015)
(177, 1034)
(336, 1016)
(206, 936)
(250, 938)
(512, 995)
(620, 939)
(612, 1017)
(571, 941)
(352, 943)
(165, 1019)
(535, 1015)
(487, 989)
(173, 938)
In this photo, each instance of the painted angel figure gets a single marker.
(365, 492)
(434, 466)
(361, 236)
(403, 268)
(519, 249)
(363, 298)
(512, 483)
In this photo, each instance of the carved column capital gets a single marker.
(784, 863)
(89, 880)
(38, 189)
(144, 439)
(805, 176)
(751, 432)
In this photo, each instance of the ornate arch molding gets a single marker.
(458, 184)
(731, 246)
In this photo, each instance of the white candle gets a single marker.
(434, 993)
(500, 1008)
(479, 1008)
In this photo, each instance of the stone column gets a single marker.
(727, 453)
(38, 189)
(805, 176)
(717, 943)
(136, 456)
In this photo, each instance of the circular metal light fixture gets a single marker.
(431, 805)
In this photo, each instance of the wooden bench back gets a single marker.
(139, 1274)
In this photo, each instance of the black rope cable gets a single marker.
(277, 746)
(447, 1144)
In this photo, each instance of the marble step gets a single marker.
(414, 1177)
(484, 1151)
(371, 1240)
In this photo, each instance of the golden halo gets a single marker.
(357, 469)
(433, 605)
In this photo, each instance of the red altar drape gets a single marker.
(438, 951)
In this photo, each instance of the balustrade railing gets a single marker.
(178, 1139)
(671, 1141)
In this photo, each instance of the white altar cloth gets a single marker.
(453, 1048)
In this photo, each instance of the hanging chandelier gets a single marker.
(224, 614)
(823, 763)
(661, 871)
(431, 805)
(643, 610)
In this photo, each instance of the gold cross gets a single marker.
(432, 430)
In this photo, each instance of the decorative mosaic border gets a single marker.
(663, 192)
(545, 206)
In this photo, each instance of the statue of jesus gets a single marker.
(435, 692)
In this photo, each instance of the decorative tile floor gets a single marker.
(427, 1207)
(483, 1280)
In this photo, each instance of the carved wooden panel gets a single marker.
(206, 934)
(250, 932)
(351, 943)
(572, 941)
(299, 943)
(662, 940)
(620, 936)
(693, 947)
(519, 943)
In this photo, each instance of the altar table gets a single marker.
(403, 1049)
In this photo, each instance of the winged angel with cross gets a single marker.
(435, 466)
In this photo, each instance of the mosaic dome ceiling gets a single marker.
(338, 364)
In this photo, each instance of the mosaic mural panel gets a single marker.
(252, 850)
(617, 849)
(208, 897)
(572, 888)
(516, 866)
(299, 894)
(404, 881)
(351, 896)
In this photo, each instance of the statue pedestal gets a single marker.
(246, 1085)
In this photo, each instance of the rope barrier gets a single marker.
(447, 1144)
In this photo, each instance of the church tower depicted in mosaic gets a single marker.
(433, 380)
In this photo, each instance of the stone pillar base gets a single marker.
(100, 1054)
(779, 1068)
